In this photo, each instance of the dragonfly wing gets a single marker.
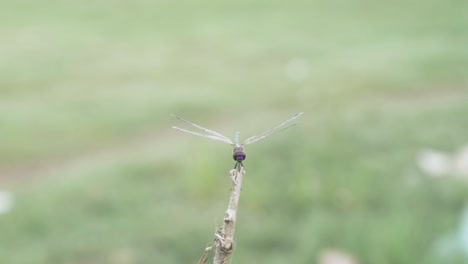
(227, 141)
(264, 135)
(272, 130)
(214, 133)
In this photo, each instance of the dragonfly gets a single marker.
(238, 148)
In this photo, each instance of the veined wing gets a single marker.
(272, 130)
(205, 136)
(213, 134)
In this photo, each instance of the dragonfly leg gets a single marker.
(239, 166)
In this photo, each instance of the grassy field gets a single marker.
(98, 175)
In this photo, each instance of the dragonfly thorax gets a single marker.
(238, 154)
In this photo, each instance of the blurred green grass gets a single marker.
(87, 90)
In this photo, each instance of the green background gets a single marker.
(98, 175)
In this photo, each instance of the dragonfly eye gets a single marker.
(239, 156)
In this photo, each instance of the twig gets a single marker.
(224, 236)
(204, 256)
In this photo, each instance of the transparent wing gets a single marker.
(273, 130)
(264, 135)
(213, 134)
(205, 136)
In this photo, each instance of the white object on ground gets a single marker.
(336, 257)
(6, 201)
(434, 163)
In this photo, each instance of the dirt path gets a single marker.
(27, 173)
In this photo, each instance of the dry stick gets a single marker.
(225, 235)
(204, 256)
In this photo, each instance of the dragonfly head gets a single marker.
(238, 154)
